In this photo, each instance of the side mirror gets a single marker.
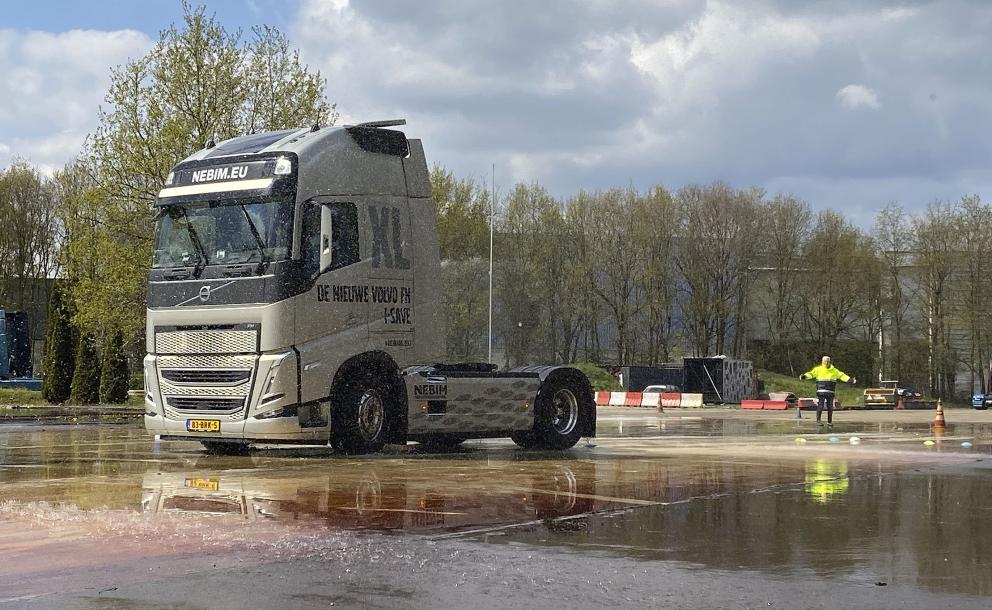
(326, 225)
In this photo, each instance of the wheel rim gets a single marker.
(371, 413)
(565, 411)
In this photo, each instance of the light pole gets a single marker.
(492, 213)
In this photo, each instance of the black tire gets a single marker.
(360, 421)
(559, 413)
(525, 440)
(224, 448)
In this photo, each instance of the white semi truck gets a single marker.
(294, 297)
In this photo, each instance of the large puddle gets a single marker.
(716, 494)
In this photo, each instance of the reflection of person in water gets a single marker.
(826, 478)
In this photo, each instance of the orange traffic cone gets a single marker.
(900, 405)
(938, 421)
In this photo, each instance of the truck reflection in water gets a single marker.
(453, 493)
(370, 501)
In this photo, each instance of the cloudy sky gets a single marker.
(849, 104)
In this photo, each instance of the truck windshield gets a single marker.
(230, 233)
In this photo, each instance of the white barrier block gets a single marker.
(617, 399)
(692, 400)
(651, 399)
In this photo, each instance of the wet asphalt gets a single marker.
(715, 508)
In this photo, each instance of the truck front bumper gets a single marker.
(275, 429)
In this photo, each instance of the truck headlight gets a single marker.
(283, 167)
(273, 385)
(151, 386)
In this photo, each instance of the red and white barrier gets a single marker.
(666, 400)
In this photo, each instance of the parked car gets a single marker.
(662, 388)
(909, 393)
(978, 401)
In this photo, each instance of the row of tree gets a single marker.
(641, 277)
(73, 368)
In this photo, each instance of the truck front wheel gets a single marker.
(359, 421)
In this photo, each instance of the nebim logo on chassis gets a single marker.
(236, 172)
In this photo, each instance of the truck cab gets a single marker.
(294, 297)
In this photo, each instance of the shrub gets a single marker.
(113, 370)
(86, 378)
(60, 348)
(599, 377)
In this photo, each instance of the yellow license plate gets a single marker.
(205, 484)
(203, 425)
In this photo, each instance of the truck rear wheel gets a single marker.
(360, 421)
(558, 417)
(525, 440)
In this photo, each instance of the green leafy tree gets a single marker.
(462, 210)
(60, 347)
(86, 377)
(199, 82)
(113, 370)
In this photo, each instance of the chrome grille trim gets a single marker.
(172, 414)
(201, 404)
(224, 377)
(205, 361)
(233, 391)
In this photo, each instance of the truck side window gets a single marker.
(344, 236)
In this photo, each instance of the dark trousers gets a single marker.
(825, 399)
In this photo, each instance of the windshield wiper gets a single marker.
(201, 254)
(260, 245)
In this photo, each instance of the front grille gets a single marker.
(207, 341)
(206, 369)
(206, 376)
(186, 403)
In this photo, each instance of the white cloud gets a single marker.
(52, 87)
(594, 95)
(854, 97)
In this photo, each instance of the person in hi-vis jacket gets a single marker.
(826, 376)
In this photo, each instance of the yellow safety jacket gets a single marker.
(826, 377)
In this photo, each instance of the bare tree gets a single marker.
(892, 236)
(714, 254)
(974, 219)
(31, 237)
(838, 259)
(936, 245)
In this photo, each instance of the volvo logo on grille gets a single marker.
(205, 293)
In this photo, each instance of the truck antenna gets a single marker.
(386, 123)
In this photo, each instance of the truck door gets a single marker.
(332, 317)
(390, 313)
